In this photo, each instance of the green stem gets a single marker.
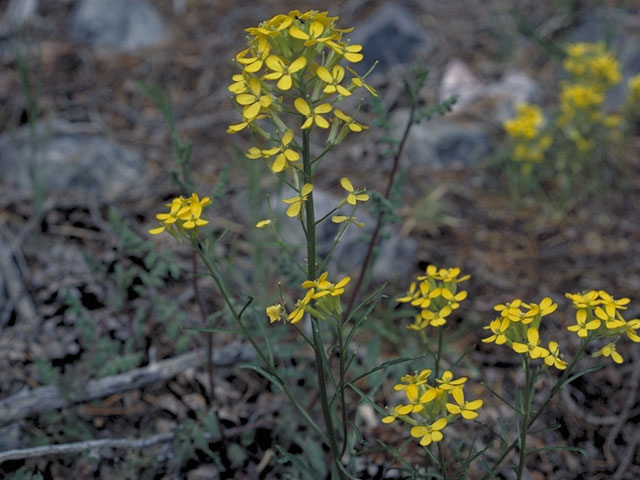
(437, 365)
(526, 408)
(556, 388)
(217, 278)
(443, 467)
(311, 275)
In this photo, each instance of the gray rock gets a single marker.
(495, 100)
(391, 35)
(395, 257)
(122, 24)
(90, 165)
(443, 142)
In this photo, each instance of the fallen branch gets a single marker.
(62, 448)
(82, 446)
(31, 401)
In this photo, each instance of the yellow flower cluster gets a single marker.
(592, 63)
(529, 145)
(436, 295)
(518, 326)
(598, 315)
(593, 71)
(293, 66)
(434, 406)
(183, 214)
(325, 296)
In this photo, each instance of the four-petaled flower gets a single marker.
(498, 327)
(332, 79)
(553, 359)
(282, 71)
(532, 346)
(316, 29)
(466, 409)
(582, 327)
(253, 102)
(295, 203)
(429, 433)
(349, 122)
(297, 313)
(312, 116)
(353, 194)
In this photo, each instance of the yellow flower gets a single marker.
(358, 81)
(275, 313)
(351, 53)
(283, 153)
(453, 300)
(240, 84)
(353, 195)
(168, 218)
(282, 71)
(582, 327)
(253, 102)
(610, 351)
(532, 346)
(511, 310)
(526, 124)
(553, 359)
(296, 314)
(332, 79)
(419, 379)
(630, 328)
(313, 116)
(612, 319)
(263, 223)
(544, 308)
(435, 319)
(295, 203)
(499, 328)
(393, 415)
(414, 405)
(349, 122)
(429, 433)
(316, 29)
(466, 409)
(251, 64)
(448, 383)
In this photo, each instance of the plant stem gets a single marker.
(437, 365)
(311, 275)
(526, 408)
(203, 315)
(556, 388)
(443, 467)
(217, 278)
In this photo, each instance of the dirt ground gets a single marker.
(71, 242)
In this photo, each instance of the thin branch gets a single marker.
(76, 447)
(31, 401)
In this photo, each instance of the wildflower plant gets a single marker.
(598, 321)
(295, 82)
(566, 148)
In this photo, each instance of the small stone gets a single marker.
(443, 142)
(121, 24)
